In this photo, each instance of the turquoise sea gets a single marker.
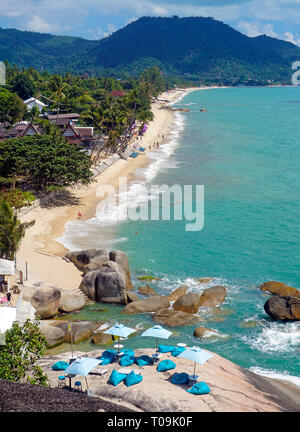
(245, 150)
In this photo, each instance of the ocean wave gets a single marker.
(114, 209)
(270, 373)
(276, 337)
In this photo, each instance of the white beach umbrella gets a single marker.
(120, 330)
(158, 332)
(197, 355)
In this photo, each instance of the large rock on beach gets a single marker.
(27, 293)
(147, 290)
(106, 285)
(283, 308)
(151, 304)
(81, 259)
(188, 303)
(70, 302)
(46, 301)
(213, 296)
(174, 318)
(178, 292)
(279, 288)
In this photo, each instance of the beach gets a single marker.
(39, 248)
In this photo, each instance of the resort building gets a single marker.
(33, 102)
(21, 129)
(62, 120)
(83, 136)
(7, 270)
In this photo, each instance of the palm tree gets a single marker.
(57, 85)
(11, 231)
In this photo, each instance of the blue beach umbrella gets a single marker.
(82, 366)
(158, 332)
(197, 355)
(121, 331)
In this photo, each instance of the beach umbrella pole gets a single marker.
(194, 368)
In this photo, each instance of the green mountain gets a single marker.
(195, 48)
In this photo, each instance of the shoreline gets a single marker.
(46, 253)
(40, 249)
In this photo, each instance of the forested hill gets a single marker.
(196, 48)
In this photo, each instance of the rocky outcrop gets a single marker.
(178, 292)
(70, 302)
(283, 308)
(151, 304)
(106, 276)
(147, 290)
(173, 318)
(46, 301)
(188, 303)
(81, 259)
(279, 288)
(120, 258)
(213, 296)
(107, 285)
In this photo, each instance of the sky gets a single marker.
(95, 19)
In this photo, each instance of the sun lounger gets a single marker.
(98, 371)
(128, 371)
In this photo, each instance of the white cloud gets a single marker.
(38, 24)
(253, 29)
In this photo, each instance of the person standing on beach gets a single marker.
(79, 214)
(8, 297)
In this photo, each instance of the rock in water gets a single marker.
(54, 335)
(147, 290)
(201, 332)
(283, 308)
(151, 304)
(107, 285)
(173, 318)
(178, 292)
(279, 288)
(188, 303)
(46, 301)
(81, 330)
(102, 338)
(213, 296)
(204, 280)
(132, 297)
